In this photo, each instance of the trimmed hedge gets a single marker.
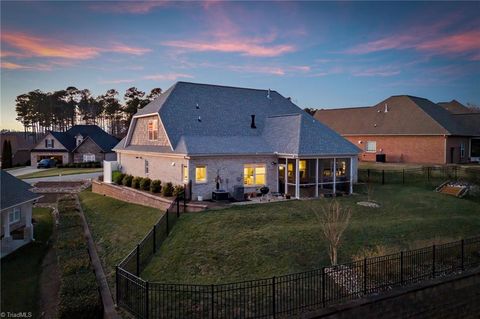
(167, 190)
(178, 191)
(127, 180)
(145, 183)
(117, 177)
(156, 186)
(79, 294)
(136, 182)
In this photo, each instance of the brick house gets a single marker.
(235, 138)
(409, 129)
(81, 143)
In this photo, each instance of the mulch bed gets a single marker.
(58, 184)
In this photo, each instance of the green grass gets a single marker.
(58, 171)
(258, 241)
(21, 269)
(116, 227)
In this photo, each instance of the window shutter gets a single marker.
(53, 143)
(46, 143)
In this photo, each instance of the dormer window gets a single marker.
(79, 139)
(152, 130)
(49, 143)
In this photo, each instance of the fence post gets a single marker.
(154, 238)
(463, 255)
(433, 261)
(177, 200)
(184, 197)
(273, 297)
(138, 260)
(324, 284)
(146, 299)
(117, 285)
(168, 230)
(213, 301)
(365, 276)
(401, 267)
(403, 176)
(368, 174)
(455, 168)
(428, 174)
(383, 177)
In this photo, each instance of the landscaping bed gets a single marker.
(59, 171)
(265, 240)
(21, 270)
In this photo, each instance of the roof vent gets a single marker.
(268, 95)
(252, 125)
(197, 107)
(386, 108)
(199, 119)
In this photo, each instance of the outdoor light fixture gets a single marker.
(173, 164)
(274, 163)
(359, 142)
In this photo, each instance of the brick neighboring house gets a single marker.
(81, 143)
(409, 129)
(237, 138)
(22, 144)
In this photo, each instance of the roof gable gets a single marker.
(14, 191)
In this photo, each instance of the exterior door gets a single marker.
(281, 178)
(452, 153)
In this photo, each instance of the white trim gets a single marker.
(297, 178)
(132, 152)
(334, 189)
(286, 175)
(18, 204)
(351, 176)
(316, 178)
(15, 210)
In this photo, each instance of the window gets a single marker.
(89, 157)
(371, 146)
(146, 166)
(79, 140)
(462, 150)
(201, 174)
(302, 166)
(49, 143)
(14, 216)
(185, 173)
(254, 174)
(152, 130)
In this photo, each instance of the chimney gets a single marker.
(252, 125)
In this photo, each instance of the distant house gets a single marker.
(409, 129)
(16, 208)
(22, 143)
(236, 138)
(81, 143)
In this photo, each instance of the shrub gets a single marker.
(117, 177)
(136, 182)
(97, 165)
(60, 166)
(145, 183)
(178, 191)
(167, 190)
(127, 180)
(156, 186)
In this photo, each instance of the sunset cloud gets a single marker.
(116, 81)
(168, 77)
(36, 46)
(133, 7)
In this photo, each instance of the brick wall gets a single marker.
(456, 297)
(404, 149)
(455, 143)
(130, 195)
(140, 132)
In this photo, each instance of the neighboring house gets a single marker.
(409, 129)
(22, 144)
(81, 143)
(16, 208)
(238, 137)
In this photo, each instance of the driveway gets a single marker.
(26, 170)
(65, 178)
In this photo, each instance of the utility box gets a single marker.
(381, 158)
(239, 192)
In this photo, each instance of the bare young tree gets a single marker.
(334, 220)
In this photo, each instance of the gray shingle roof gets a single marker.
(14, 191)
(104, 140)
(225, 117)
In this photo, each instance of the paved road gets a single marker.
(26, 170)
(74, 177)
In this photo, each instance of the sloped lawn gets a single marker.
(258, 241)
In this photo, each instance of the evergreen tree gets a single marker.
(6, 154)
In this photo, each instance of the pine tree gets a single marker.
(6, 154)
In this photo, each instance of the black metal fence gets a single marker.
(283, 296)
(429, 175)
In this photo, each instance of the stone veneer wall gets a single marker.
(140, 132)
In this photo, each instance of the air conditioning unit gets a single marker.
(238, 192)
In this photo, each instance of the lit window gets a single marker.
(302, 167)
(201, 174)
(89, 157)
(153, 130)
(371, 146)
(185, 173)
(254, 174)
(462, 150)
(14, 216)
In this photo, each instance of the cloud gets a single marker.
(133, 7)
(270, 69)
(248, 47)
(16, 66)
(11, 66)
(380, 71)
(117, 81)
(35, 46)
(167, 76)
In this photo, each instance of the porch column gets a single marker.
(351, 175)
(6, 227)
(28, 231)
(297, 178)
(286, 175)
(316, 178)
(334, 189)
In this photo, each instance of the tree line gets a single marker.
(40, 111)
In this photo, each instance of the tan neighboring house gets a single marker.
(81, 143)
(16, 209)
(234, 140)
(409, 129)
(22, 143)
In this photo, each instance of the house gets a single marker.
(409, 129)
(239, 138)
(81, 143)
(22, 143)
(16, 208)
